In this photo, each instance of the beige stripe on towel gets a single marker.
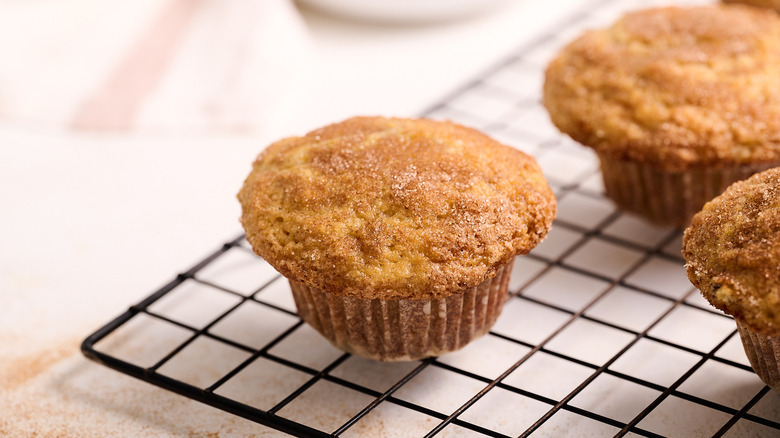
(115, 105)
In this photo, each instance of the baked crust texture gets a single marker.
(732, 252)
(394, 208)
(674, 88)
(775, 4)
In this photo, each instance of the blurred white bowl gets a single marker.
(403, 10)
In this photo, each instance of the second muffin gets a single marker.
(397, 235)
(676, 102)
(732, 255)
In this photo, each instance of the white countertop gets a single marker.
(92, 222)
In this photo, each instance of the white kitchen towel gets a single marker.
(222, 66)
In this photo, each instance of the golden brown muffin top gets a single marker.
(393, 208)
(732, 251)
(674, 88)
(762, 3)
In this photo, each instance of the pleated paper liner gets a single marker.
(763, 352)
(664, 197)
(404, 329)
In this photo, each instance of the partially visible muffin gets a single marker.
(676, 102)
(774, 4)
(397, 235)
(732, 254)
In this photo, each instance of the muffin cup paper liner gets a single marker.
(664, 197)
(763, 352)
(404, 329)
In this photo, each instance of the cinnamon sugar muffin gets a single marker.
(774, 4)
(732, 253)
(676, 102)
(397, 235)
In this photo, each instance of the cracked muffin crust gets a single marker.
(732, 252)
(774, 4)
(674, 87)
(676, 102)
(393, 208)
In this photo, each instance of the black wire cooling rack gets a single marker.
(603, 334)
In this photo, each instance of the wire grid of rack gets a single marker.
(603, 333)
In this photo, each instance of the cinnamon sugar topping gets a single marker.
(394, 208)
(732, 250)
(675, 88)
